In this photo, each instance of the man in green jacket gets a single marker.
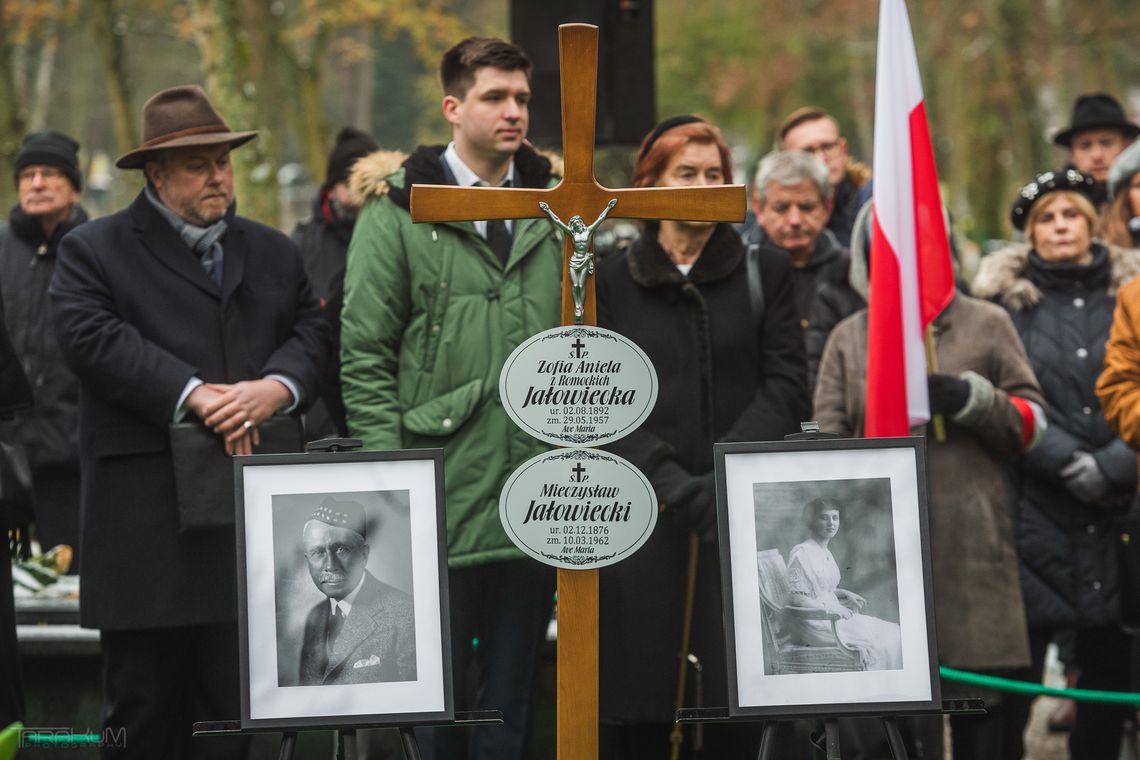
(431, 313)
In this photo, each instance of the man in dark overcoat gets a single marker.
(174, 308)
(48, 180)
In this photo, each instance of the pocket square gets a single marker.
(373, 660)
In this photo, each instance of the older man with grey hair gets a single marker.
(792, 199)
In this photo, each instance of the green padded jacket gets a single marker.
(430, 316)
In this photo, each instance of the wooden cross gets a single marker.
(578, 193)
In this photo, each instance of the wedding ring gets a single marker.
(247, 425)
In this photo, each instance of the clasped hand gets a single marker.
(850, 600)
(226, 408)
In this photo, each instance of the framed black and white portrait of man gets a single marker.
(825, 563)
(343, 589)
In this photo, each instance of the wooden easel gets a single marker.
(578, 193)
(825, 737)
(346, 737)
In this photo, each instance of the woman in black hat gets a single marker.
(1071, 491)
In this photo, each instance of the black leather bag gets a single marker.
(17, 492)
(204, 473)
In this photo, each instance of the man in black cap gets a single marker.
(174, 308)
(365, 632)
(323, 240)
(1098, 133)
(48, 181)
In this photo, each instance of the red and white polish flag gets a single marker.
(912, 279)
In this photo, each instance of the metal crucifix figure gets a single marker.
(581, 260)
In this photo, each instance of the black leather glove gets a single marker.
(948, 393)
(696, 509)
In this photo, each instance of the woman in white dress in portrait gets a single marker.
(813, 579)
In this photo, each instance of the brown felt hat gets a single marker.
(178, 117)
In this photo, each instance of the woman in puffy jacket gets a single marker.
(1071, 491)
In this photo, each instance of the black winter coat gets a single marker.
(15, 393)
(323, 241)
(1067, 549)
(805, 280)
(137, 318)
(50, 434)
(835, 300)
(725, 375)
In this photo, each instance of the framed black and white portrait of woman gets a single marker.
(825, 563)
(343, 589)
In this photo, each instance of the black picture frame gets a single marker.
(402, 495)
(790, 649)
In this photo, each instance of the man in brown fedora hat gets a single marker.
(174, 308)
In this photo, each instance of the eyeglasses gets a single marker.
(46, 172)
(822, 149)
(342, 552)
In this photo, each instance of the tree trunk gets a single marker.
(365, 81)
(12, 124)
(1016, 17)
(268, 72)
(218, 26)
(309, 120)
(112, 47)
(40, 97)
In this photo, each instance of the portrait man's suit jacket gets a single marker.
(137, 316)
(377, 642)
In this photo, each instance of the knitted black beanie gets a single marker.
(351, 144)
(50, 148)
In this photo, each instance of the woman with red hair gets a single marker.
(719, 323)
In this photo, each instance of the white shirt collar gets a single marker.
(465, 177)
(346, 603)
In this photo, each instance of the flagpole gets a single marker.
(912, 279)
(931, 368)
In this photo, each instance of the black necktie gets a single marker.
(336, 622)
(499, 238)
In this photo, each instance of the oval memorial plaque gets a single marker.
(578, 386)
(578, 509)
